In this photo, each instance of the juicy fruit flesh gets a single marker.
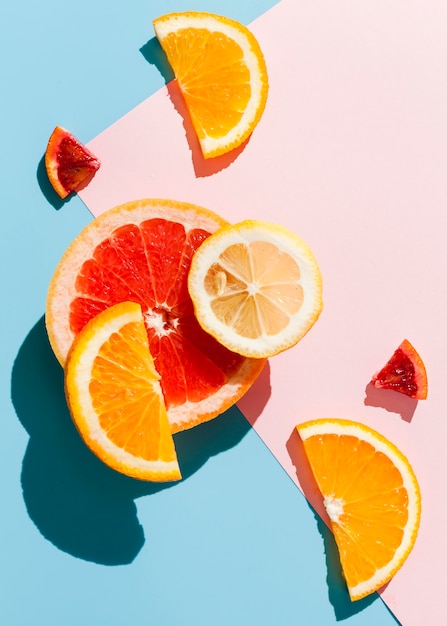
(201, 81)
(148, 264)
(74, 164)
(361, 504)
(248, 289)
(398, 374)
(122, 378)
(404, 372)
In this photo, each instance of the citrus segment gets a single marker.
(371, 495)
(404, 372)
(115, 399)
(221, 72)
(256, 288)
(69, 164)
(141, 252)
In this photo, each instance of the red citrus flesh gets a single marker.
(148, 264)
(70, 165)
(404, 372)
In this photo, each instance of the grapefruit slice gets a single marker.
(70, 165)
(404, 372)
(115, 399)
(141, 252)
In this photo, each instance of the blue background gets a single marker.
(235, 542)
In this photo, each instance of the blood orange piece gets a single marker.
(141, 252)
(70, 165)
(404, 372)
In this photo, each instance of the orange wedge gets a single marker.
(221, 72)
(371, 496)
(256, 288)
(115, 399)
(69, 164)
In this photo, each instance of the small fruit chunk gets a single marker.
(141, 251)
(404, 372)
(221, 73)
(115, 399)
(371, 496)
(256, 288)
(70, 165)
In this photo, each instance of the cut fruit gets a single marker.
(115, 399)
(70, 165)
(141, 252)
(221, 72)
(371, 496)
(404, 372)
(256, 288)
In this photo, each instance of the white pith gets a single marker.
(334, 508)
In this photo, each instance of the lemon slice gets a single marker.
(256, 288)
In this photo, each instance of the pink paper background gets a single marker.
(351, 154)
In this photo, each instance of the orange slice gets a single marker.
(221, 72)
(371, 495)
(141, 252)
(70, 165)
(115, 399)
(404, 372)
(256, 288)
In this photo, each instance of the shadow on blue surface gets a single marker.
(78, 503)
(154, 54)
(338, 594)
